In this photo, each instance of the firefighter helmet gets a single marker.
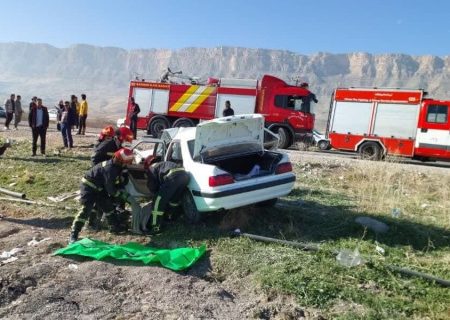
(124, 156)
(107, 132)
(125, 134)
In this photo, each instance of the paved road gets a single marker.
(335, 154)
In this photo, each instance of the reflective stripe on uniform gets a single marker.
(104, 163)
(155, 215)
(90, 184)
(172, 171)
(155, 207)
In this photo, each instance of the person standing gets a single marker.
(83, 115)
(38, 120)
(74, 109)
(9, 109)
(18, 111)
(306, 100)
(66, 126)
(33, 103)
(134, 111)
(228, 111)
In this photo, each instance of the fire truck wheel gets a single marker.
(370, 151)
(191, 214)
(157, 125)
(284, 138)
(183, 122)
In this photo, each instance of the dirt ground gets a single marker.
(39, 285)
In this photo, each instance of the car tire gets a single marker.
(191, 214)
(183, 122)
(267, 203)
(323, 145)
(157, 125)
(370, 151)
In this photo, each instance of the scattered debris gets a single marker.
(73, 266)
(372, 224)
(424, 205)
(35, 242)
(380, 250)
(304, 246)
(39, 203)
(12, 193)
(64, 196)
(9, 254)
(396, 212)
(349, 258)
(12, 259)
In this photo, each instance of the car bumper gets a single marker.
(244, 195)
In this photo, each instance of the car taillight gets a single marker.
(220, 180)
(283, 168)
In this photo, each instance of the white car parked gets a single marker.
(321, 142)
(53, 114)
(226, 160)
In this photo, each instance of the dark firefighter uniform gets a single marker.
(167, 181)
(99, 187)
(104, 150)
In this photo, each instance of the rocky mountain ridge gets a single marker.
(103, 73)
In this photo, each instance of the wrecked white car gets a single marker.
(226, 160)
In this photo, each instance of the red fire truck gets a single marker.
(166, 104)
(378, 122)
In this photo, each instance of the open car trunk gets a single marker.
(250, 165)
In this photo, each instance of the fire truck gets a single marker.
(379, 122)
(166, 104)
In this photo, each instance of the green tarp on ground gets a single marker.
(174, 259)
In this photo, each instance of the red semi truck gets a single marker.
(378, 122)
(165, 104)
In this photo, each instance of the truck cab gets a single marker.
(286, 110)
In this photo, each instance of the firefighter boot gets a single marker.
(73, 237)
(157, 219)
(113, 223)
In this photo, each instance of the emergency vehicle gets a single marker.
(378, 122)
(166, 104)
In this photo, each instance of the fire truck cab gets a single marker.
(166, 105)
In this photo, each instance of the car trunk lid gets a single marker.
(229, 136)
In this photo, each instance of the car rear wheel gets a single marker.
(191, 214)
(323, 145)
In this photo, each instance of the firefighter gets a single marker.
(306, 100)
(167, 181)
(107, 132)
(100, 186)
(109, 142)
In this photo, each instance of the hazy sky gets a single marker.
(335, 26)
